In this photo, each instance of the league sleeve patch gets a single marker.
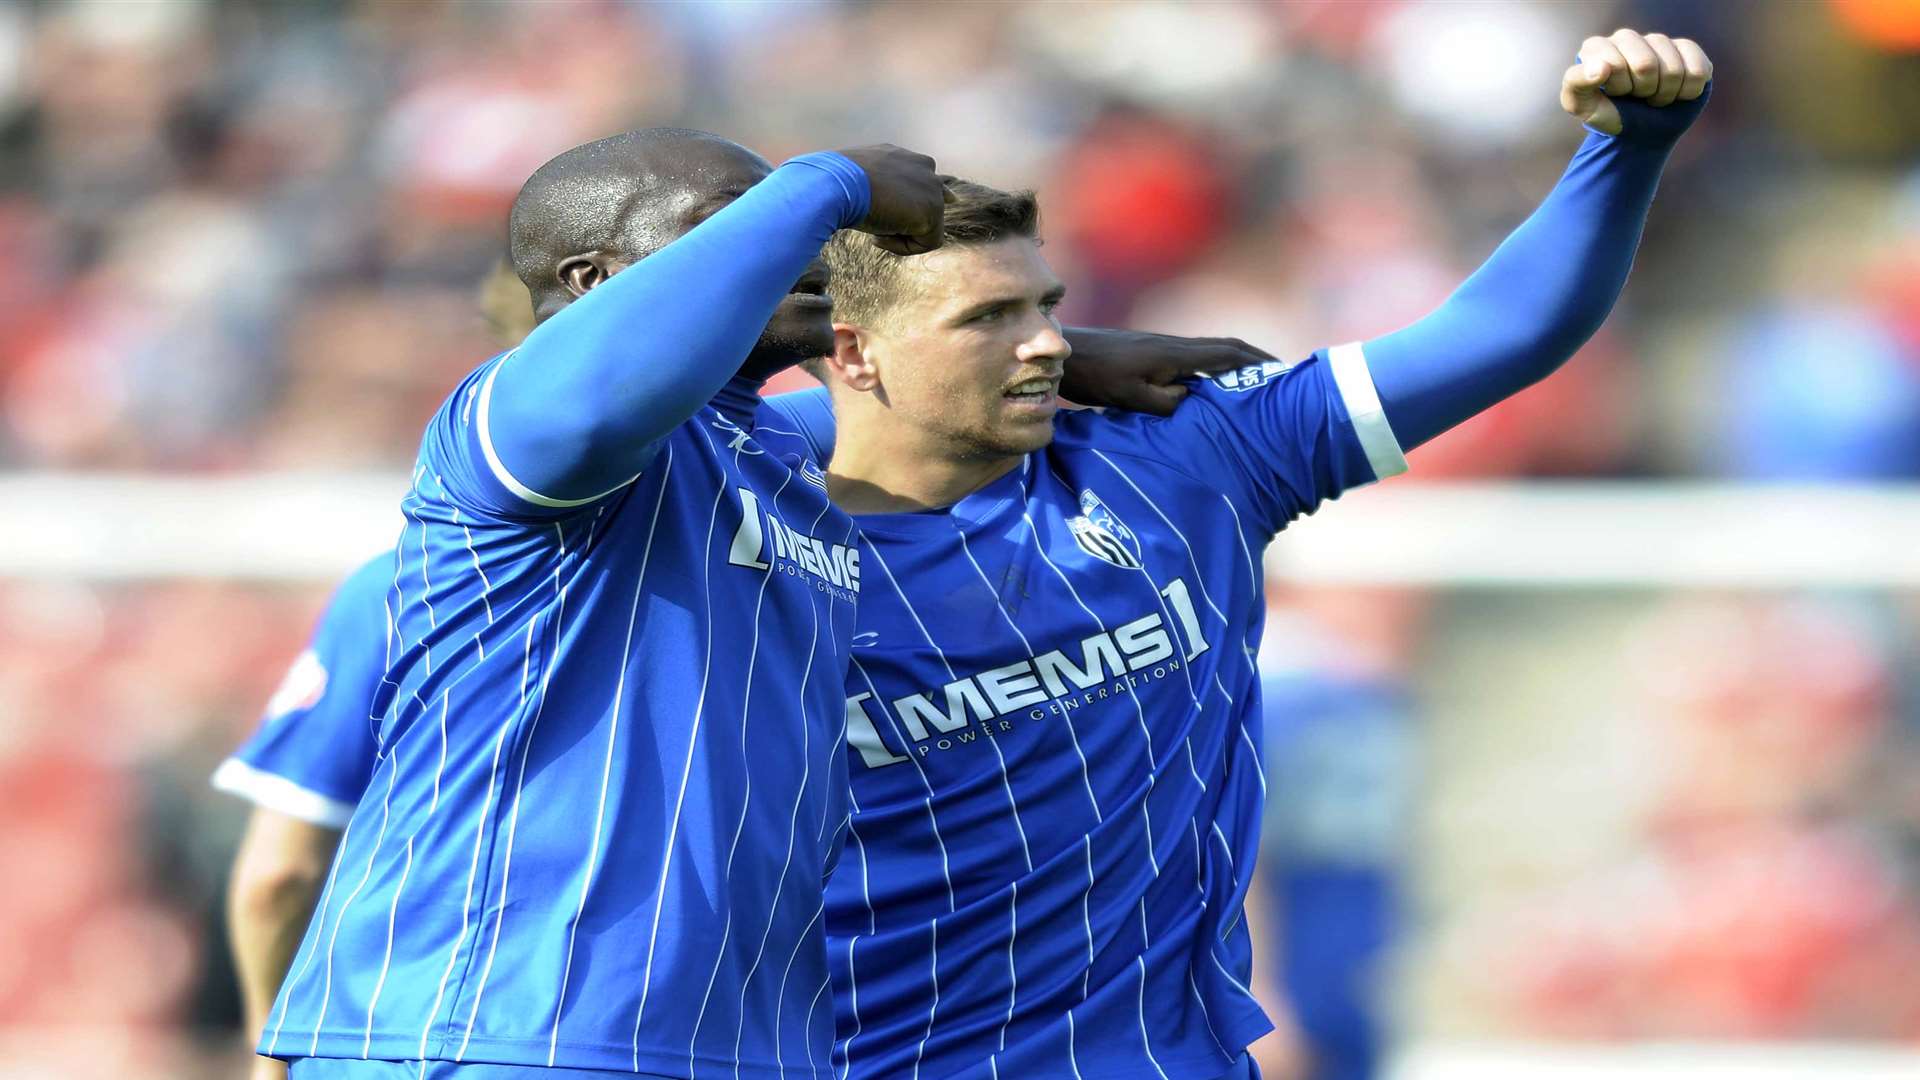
(301, 688)
(1252, 375)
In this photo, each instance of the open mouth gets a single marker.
(1035, 391)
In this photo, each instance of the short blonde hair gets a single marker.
(867, 278)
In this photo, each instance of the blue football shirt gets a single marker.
(314, 748)
(1054, 725)
(609, 780)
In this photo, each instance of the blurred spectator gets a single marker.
(245, 235)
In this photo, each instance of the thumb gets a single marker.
(1582, 97)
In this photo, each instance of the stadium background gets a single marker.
(1651, 813)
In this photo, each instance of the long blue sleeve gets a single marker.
(578, 409)
(1541, 294)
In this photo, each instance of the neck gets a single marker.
(762, 364)
(873, 473)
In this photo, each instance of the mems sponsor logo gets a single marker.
(764, 542)
(987, 704)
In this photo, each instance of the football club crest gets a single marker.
(812, 474)
(1101, 534)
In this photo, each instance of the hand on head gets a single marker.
(909, 199)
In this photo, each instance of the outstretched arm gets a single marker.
(1547, 289)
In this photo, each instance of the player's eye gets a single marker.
(1050, 304)
(991, 315)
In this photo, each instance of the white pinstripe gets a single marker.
(1013, 971)
(287, 990)
(1246, 655)
(746, 771)
(1073, 1059)
(1012, 806)
(1200, 885)
(486, 591)
(1199, 577)
(606, 767)
(813, 1069)
(1146, 936)
(1254, 582)
(679, 802)
(933, 965)
(1006, 782)
(1153, 761)
(826, 805)
(1159, 597)
(326, 992)
(426, 582)
(386, 669)
(1145, 1043)
(853, 989)
(380, 984)
(780, 997)
(442, 768)
(473, 866)
(513, 815)
(1193, 769)
(1085, 779)
(946, 869)
(793, 830)
(1206, 1017)
(313, 941)
(1086, 916)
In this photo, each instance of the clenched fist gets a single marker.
(909, 204)
(1627, 64)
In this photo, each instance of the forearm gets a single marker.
(265, 926)
(277, 875)
(578, 408)
(1538, 298)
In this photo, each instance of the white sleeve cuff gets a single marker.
(274, 792)
(500, 472)
(1350, 374)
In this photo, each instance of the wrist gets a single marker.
(1651, 128)
(846, 178)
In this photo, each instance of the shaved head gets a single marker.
(599, 208)
(619, 199)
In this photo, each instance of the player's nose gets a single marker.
(1045, 344)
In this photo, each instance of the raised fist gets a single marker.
(1625, 65)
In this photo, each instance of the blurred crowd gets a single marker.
(250, 235)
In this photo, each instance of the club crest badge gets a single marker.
(812, 474)
(1101, 534)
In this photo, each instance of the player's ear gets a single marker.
(582, 272)
(849, 361)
